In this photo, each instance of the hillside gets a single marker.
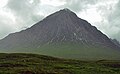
(19, 63)
(62, 34)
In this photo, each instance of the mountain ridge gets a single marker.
(71, 19)
(61, 28)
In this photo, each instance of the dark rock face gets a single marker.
(62, 26)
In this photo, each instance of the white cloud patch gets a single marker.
(90, 15)
(3, 3)
(53, 2)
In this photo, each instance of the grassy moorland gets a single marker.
(19, 63)
(70, 51)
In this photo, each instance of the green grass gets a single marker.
(71, 51)
(19, 63)
(79, 51)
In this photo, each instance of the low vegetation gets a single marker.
(19, 63)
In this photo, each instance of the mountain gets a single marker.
(62, 34)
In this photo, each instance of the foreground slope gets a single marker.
(38, 64)
(62, 34)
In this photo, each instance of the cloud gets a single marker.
(114, 20)
(78, 5)
(53, 2)
(6, 24)
(25, 11)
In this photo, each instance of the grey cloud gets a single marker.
(24, 11)
(114, 20)
(5, 29)
(78, 5)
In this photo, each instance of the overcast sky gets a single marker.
(16, 15)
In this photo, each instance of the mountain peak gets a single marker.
(63, 14)
(60, 33)
(66, 9)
